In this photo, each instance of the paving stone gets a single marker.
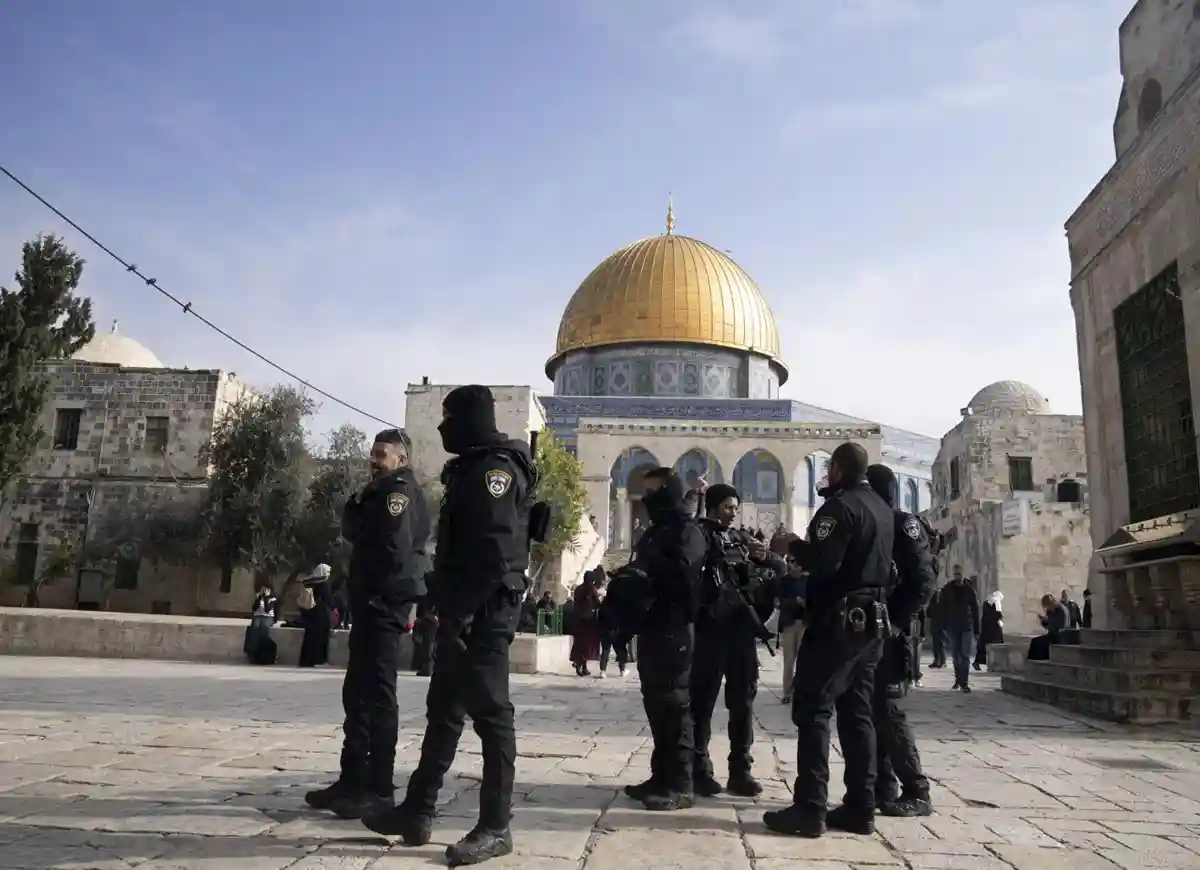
(131, 774)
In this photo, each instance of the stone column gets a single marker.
(622, 519)
(789, 508)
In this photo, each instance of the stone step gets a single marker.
(1134, 709)
(1135, 659)
(1181, 683)
(1140, 639)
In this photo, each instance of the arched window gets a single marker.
(912, 497)
(1149, 103)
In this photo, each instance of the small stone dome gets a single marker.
(110, 348)
(1009, 396)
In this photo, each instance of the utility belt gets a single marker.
(861, 614)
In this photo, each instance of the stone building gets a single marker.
(671, 339)
(668, 354)
(1134, 246)
(123, 432)
(1010, 496)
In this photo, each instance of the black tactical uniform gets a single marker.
(479, 569)
(896, 749)
(388, 526)
(671, 553)
(849, 559)
(727, 649)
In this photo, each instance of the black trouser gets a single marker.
(896, 753)
(472, 682)
(612, 642)
(730, 653)
(369, 699)
(424, 647)
(665, 667)
(835, 669)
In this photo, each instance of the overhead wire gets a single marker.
(187, 307)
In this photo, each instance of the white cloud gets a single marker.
(752, 40)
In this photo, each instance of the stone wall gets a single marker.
(518, 413)
(1023, 543)
(1144, 215)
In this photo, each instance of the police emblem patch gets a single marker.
(825, 527)
(396, 503)
(498, 482)
(912, 528)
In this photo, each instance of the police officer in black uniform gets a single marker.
(896, 750)
(388, 525)
(671, 554)
(727, 643)
(849, 560)
(479, 581)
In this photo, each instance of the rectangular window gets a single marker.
(1020, 474)
(1156, 400)
(157, 431)
(126, 576)
(66, 428)
(27, 554)
(226, 579)
(955, 482)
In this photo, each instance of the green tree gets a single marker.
(41, 319)
(342, 471)
(560, 483)
(260, 471)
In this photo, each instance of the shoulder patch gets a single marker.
(912, 528)
(498, 482)
(825, 527)
(396, 503)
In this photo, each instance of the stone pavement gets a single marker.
(107, 764)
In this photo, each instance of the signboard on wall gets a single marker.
(1014, 517)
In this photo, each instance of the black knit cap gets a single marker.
(474, 403)
(716, 494)
(882, 480)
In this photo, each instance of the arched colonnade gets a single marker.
(776, 467)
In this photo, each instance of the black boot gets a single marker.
(743, 785)
(707, 785)
(795, 821)
(850, 820)
(362, 804)
(413, 829)
(479, 846)
(907, 806)
(324, 798)
(638, 792)
(669, 801)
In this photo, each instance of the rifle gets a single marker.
(735, 589)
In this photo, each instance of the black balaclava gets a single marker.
(470, 419)
(882, 480)
(716, 494)
(670, 498)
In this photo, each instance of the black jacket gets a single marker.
(915, 576)
(671, 553)
(483, 528)
(388, 526)
(959, 606)
(849, 547)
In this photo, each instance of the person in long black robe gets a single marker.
(318, 623)
(991, 627)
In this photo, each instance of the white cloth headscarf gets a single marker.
(998, 599)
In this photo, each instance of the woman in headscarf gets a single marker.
(585, 646)
(316, 615)
(991, 628)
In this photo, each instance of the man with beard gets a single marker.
(849, 558)
(671, 554)
(388, 525)
(726, 642)
(479, 582)
(896, 748)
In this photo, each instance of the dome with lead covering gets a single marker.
(1009, 396)
(111, 348)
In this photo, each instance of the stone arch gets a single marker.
(1149, 103)
(699, 462)
(912, 496)
(759, 479)
(627, 515)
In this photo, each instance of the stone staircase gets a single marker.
(1139, 677)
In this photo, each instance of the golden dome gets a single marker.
(669, 289)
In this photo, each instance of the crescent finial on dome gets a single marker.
(670, 214)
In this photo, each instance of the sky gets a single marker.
(372, 191)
